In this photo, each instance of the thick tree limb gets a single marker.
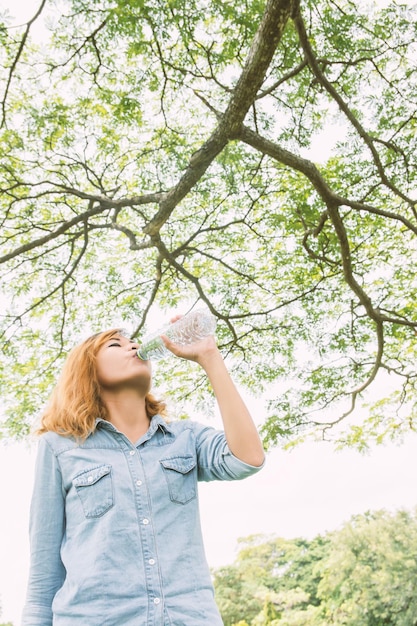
(267, 38)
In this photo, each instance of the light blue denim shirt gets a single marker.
(115, 530)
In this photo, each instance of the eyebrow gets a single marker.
(119, 338)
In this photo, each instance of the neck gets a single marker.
(127, 412)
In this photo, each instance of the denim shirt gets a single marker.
(115, 531)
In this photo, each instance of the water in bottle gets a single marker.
(188, 329)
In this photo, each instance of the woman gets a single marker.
(115, 532)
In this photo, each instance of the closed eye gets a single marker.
(114, 344)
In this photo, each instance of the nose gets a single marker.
(134, 345)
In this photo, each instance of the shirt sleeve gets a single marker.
(46, 530)
(215, 460)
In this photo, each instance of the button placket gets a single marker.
(147, 542)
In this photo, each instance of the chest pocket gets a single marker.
(95, 490)
(181, 477)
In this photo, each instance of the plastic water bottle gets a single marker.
(188, 329)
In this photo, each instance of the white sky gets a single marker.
(303, 493)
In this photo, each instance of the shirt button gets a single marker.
(151, 561)
(132, 452)
(156, 600)
(138, 482)
(90, 479)
(146, 521)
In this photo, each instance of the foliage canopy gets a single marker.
(257, 156)
(363, 574)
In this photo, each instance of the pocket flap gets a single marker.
(91, 476)
(181, 464)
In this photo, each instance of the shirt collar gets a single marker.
(157, 421)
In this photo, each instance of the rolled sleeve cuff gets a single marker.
(239, 469)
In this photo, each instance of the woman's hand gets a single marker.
(200, 351)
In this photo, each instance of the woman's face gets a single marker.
(118, 365)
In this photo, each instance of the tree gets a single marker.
(370, 575)
(236, 597)
(158, 152)
(363, 574)
(270, 580)
(268, 614)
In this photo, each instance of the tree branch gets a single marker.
(16, 60)
(320, 77)
(269, 33)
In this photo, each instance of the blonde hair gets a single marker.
(76, 402)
